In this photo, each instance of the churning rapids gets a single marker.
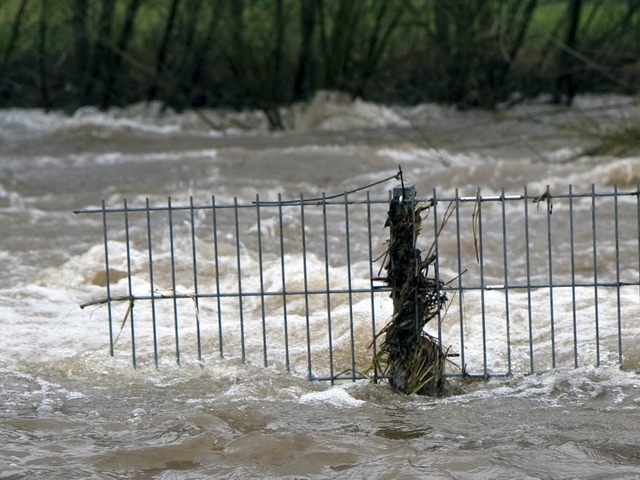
(69, 410)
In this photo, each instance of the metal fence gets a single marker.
(534, 281)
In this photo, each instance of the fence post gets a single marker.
(403, 254)
(414, 360)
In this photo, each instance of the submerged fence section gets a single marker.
(533, 281)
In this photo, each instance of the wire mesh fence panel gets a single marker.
(541, 281)
(534, 282)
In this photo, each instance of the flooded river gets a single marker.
(70, 410)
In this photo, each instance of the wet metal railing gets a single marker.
(534, 281)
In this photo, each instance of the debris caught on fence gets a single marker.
(413, 360)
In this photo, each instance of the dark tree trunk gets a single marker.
(304, 73)
(163, 49)
(42, 55)
(338, 42)
(201, 54)
(13, 38)
(237, 60)
(276, 55)
(121, 45)
(521, 22)
(99, 60)
(81, 44)
(378, 39)
(176, 85)
(565, 84)
(275, 96)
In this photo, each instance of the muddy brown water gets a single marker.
(68, 410)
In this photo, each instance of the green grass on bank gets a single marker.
(597, 19)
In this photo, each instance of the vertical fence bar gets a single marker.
(595, 271)
(437, 259)
(151, 285)
(107, 276)
(328, 284)
(617, 240)
(573, 279)
(349, 285)
(216, 259)
(482, 282)
(306, 285)
(284, 287)
(638, 219)
(506, 280)
(550, 259)
(261, 272)
(460, 289)
(196, 301)
(528, 263)
(129, 281)
(238, 264)
(173, 279)
(373, 303)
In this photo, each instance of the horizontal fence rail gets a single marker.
(534, 282)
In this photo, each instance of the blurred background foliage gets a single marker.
(265, 54)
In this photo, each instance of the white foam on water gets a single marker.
(625, 172)
(144, 118)
(115, 158)
(336, 397)
(43, 314)
(45, 324)
(23, 123)
(612, 101)
(91, 117)
(337, 111)
(427, 158)
(428, 111)
(609, 385)
(327, 111)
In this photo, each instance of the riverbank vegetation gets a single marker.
(268, 53)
